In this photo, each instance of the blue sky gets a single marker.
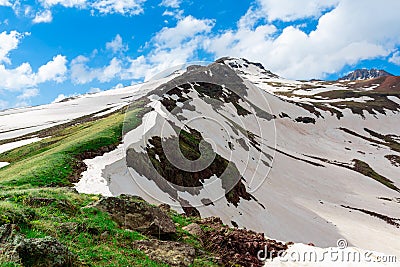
(55, 48)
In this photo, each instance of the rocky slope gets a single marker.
(365, 74)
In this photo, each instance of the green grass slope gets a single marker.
(41, 170)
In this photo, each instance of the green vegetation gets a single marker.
(365, 169)
(87, 232)
(35, 195)
(50, 161)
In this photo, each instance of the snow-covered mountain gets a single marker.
(305, 161)
(365, 74)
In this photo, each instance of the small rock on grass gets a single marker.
(169, 252)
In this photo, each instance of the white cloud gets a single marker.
(171, 3)
(65, 3)
(169, 47)
(81, 73)
(23, 77)
(43, 17)
(28, 93)
(53, 70)
(344, 36)
(5, 3)
(395, 58)
(94, 90)
(124, 7)
(176, 13)
(172, 47)
(186, 28)
(18, 78)
(116, 45)
(290, 10)
(8, 42)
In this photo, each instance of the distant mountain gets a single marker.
(365, 74)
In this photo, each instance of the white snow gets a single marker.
(17, 122)
(394, 99)
(12, 145)
(3, 164)
(93, 181)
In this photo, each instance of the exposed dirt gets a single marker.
(238, 247)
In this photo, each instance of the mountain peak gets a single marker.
(246, 67)
(365, 74)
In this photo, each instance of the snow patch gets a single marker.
(3, 164)
(93, 181)
(13, 145)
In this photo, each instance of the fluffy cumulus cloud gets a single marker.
(290, 10)
(124, 7)
(395, 58)
(116, 45)
(171, 3)
(5, 3)
(54, 70)
(172, 46)
(65, 3)
(43, 17)
(186, 28)
(28, 93)
(81, 73)
(8, 41)
(23, 77)
(344, 36)
(130, 7)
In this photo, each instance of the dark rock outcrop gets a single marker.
(44, 252)
(238, 247)
(132, 212)
(364, 74)
(33, 252)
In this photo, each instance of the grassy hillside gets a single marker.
(35, 194)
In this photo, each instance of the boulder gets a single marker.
(132, 212)
(194, 229)
(44, 252)
(168, 252)
(165, 207)
(34, 252)
(9, 237)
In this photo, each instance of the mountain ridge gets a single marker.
(365, 74)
